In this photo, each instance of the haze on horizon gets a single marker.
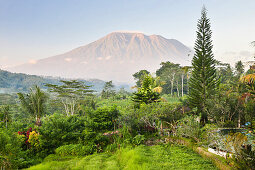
(33, 29)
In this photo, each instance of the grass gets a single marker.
(141, 157)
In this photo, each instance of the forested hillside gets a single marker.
(18, 82)
(181, 117)
(12, 82)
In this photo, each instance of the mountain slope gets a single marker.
(114, 57)
(13, 82)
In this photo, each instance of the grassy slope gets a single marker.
(142, 157)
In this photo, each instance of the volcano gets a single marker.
(117, 56)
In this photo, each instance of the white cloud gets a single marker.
(233, 56)
(32, 61)
(68, 59)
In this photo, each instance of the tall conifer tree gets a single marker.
(203, 80)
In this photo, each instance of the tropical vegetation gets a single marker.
(183, 117)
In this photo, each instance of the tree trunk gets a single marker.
(38, 120)
(187, 84)
(182, 83)
(177, 87)
(172, 84)
(161, 129)
(66, 107)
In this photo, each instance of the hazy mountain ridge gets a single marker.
(114, 57)
(18, 82)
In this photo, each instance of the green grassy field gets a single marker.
(142, 157)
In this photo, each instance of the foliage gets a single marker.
(57, 130)
(122, 94)
(34, 103)
(25, 136)
(138, 139)
(224, 72)
(74, 150)
(203, 80)
(33, 139)
(249, 81)
(189, 127)
(108, 90)
(149, 117)
(10, 150)
(138, 76)
(13, 82)
(5, 115)
(103, 119)
(145, 93)
(209, 136)
(243, 153)
(225, 108)
(170, 73)
(239, 68)
(118, 124)
(70, 94)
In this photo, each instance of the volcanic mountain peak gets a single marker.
(117, 56)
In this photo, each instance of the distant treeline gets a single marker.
(16, 82)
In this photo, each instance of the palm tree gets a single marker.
(6, 114)
(34, 103)
(185, 71)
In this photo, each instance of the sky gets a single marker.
(36, 29)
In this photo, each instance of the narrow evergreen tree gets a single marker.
(203, 80)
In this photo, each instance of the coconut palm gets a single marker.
(5, 110)
(34, 103)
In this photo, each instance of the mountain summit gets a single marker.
(117, 56)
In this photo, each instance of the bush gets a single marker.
(103, 119)
(138, 140)
(10, 150)
(209, 135)
(244, 156)
(146, 115)
(75, 150)
(189, 127)
(58, 130)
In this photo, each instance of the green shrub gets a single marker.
(146, 115)
(189, 127)
(138, 139)
(58, 130)
(112, 147)
(10, 150)
(74, 150)
(103, 118)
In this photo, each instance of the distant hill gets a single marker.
(116, 56)
(18, 82)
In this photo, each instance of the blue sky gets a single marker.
(34, 29)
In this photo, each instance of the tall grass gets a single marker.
(141, 158)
